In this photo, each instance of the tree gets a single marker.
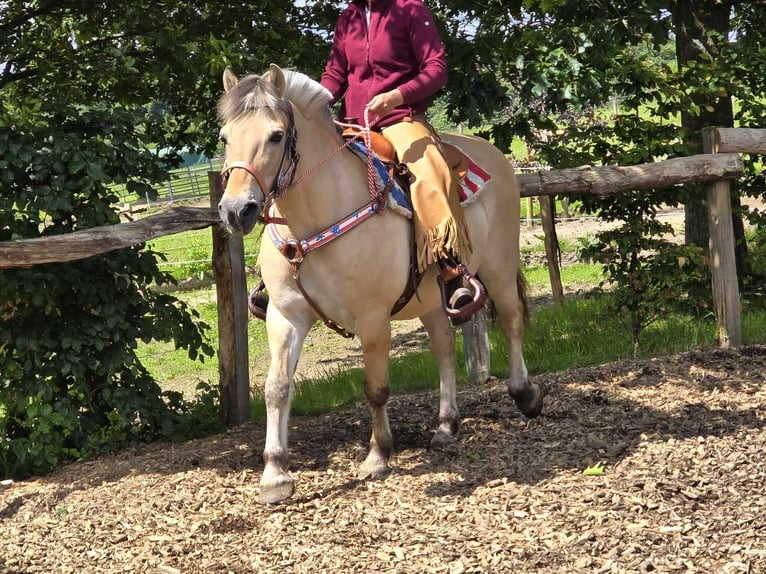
(90, 90)
(674, 67)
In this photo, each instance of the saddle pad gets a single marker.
(469, 186)
(474, 181)
(398, 199)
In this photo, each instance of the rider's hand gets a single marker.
(384, 103)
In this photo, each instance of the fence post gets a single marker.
(529, 205)
(476, 347)
(547, 216)
(231, 291)
(722, 259)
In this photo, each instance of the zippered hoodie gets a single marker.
(401, 49)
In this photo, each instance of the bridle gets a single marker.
(286, 180)
(287, 165)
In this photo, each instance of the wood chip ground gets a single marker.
(681, 440)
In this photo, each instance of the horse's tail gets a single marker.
(523, 288)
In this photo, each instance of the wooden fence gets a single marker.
(716, 167)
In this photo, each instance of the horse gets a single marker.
(271, 124)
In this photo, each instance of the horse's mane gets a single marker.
(255, 92)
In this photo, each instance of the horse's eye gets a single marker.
(276, 137)
(223, 139)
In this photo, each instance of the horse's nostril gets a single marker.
(250, 211)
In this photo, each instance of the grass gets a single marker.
(188, 254)
(530, 207)
(337, 387)
(581, 332)
(575, 276)
(173, 368)
(585, 332)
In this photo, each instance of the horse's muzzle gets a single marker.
(239, 215)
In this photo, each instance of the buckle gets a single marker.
(293, 251)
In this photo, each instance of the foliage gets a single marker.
(69, 379)
(650, 275)
(90, 91)
(587, 83)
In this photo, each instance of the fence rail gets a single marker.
(228, 253)
(188, 182)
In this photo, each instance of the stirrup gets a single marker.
(258, 301)
(462, 313)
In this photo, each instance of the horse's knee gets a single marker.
(376, 395)
(276, 394)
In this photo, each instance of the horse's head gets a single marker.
(259, 133)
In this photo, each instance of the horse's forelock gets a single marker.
(256, 92)
(248, 95)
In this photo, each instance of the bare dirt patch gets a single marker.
(682, 440)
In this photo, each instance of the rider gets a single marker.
(387, 60)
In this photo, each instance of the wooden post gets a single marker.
(551, 247)
(529, 205)
(722, 261)
(231, 291)
(476, 347)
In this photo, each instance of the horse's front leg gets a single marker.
(285, 342)
(375, 338)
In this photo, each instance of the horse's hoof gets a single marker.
(443, 440)
(530, 401)
(275, 493)
(373, 470)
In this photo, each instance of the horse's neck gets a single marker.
(331, 190)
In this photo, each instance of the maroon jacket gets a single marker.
(401, 50)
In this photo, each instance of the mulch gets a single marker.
(681, 440)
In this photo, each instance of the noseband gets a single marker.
(287, 165)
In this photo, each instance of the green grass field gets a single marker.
(581, 332)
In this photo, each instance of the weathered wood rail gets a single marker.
(606, 180)
(97, 240)
(715, 168)
(598, 180)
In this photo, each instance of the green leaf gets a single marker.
(595, 470)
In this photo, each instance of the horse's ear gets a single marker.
(229, 79)
(277, 77)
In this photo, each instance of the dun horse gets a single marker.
(353, 281)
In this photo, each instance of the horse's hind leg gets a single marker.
(375, 338)
(285, 342)
(508, 293)
(442, 339)
(528, 396)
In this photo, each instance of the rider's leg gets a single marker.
(457, 295)
(442, 236)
